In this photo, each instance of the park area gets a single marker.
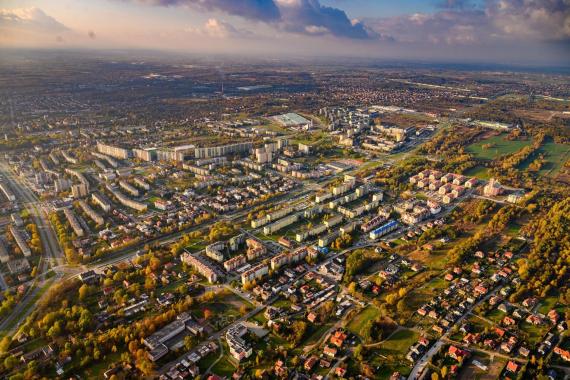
(389, 355)
(369, 313)
(495, 146)
(222, 310)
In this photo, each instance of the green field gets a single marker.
(399, 343)
(535, 333)
(357, 323)
(555, 156)
(224, 367)
(478, 171)
(499, 146)
(224, 310)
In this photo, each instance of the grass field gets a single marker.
(535, 333)
(224, 310)
(550, 303)
(357, 323)
(419, 296)
(478, 171)
(498, 146)
(555, 156)
(224, 367)
(399, 343)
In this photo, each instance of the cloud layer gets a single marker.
(498, 21)
(308, 17)
(515, 30)
(251, 9)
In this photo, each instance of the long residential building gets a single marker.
(68, 157)
(145, 154)
(20, 241)
(126, 201)
(384, 229)
(7, 191)
(254, 273)
(4, 256)
(217, 151)
(74, 222)
(80, 177)
(109, 160)
(293, 257)
(202, 266)
(102, 201)
(235, 262)
(114, 151)
(129, 188)
(94, 215)
(281, 223)
(167, 332)
(142, 183)
(374, 222)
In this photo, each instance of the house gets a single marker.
(312, 317)
(504, 307)
(280, 369)
(534, 319)
(338, 338)
(530, 302)
(480, 254)
(495, 300)
(438, 329)
(397, 376)
(508, 321)
(330, 351)
(471, 338)
(422, 311)
(518, 314)
(524, 352)
(553, 316)
(499, 331)
(564, 354)
(456, 353)
(310, 363)
(481, 290)
(512, 366)
(340, 372)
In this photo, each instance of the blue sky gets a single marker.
(502, 31)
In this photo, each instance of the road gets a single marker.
(50, 249)
(422, 363)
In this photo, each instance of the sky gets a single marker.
(524, 32)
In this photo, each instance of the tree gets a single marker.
(84, 292)
(207, 314)
(434, 376)
(358, 353)
(5, 344)
(10, 362)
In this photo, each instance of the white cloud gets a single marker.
(215, 28)
(31, 19)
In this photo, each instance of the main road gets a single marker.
(50, 247)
